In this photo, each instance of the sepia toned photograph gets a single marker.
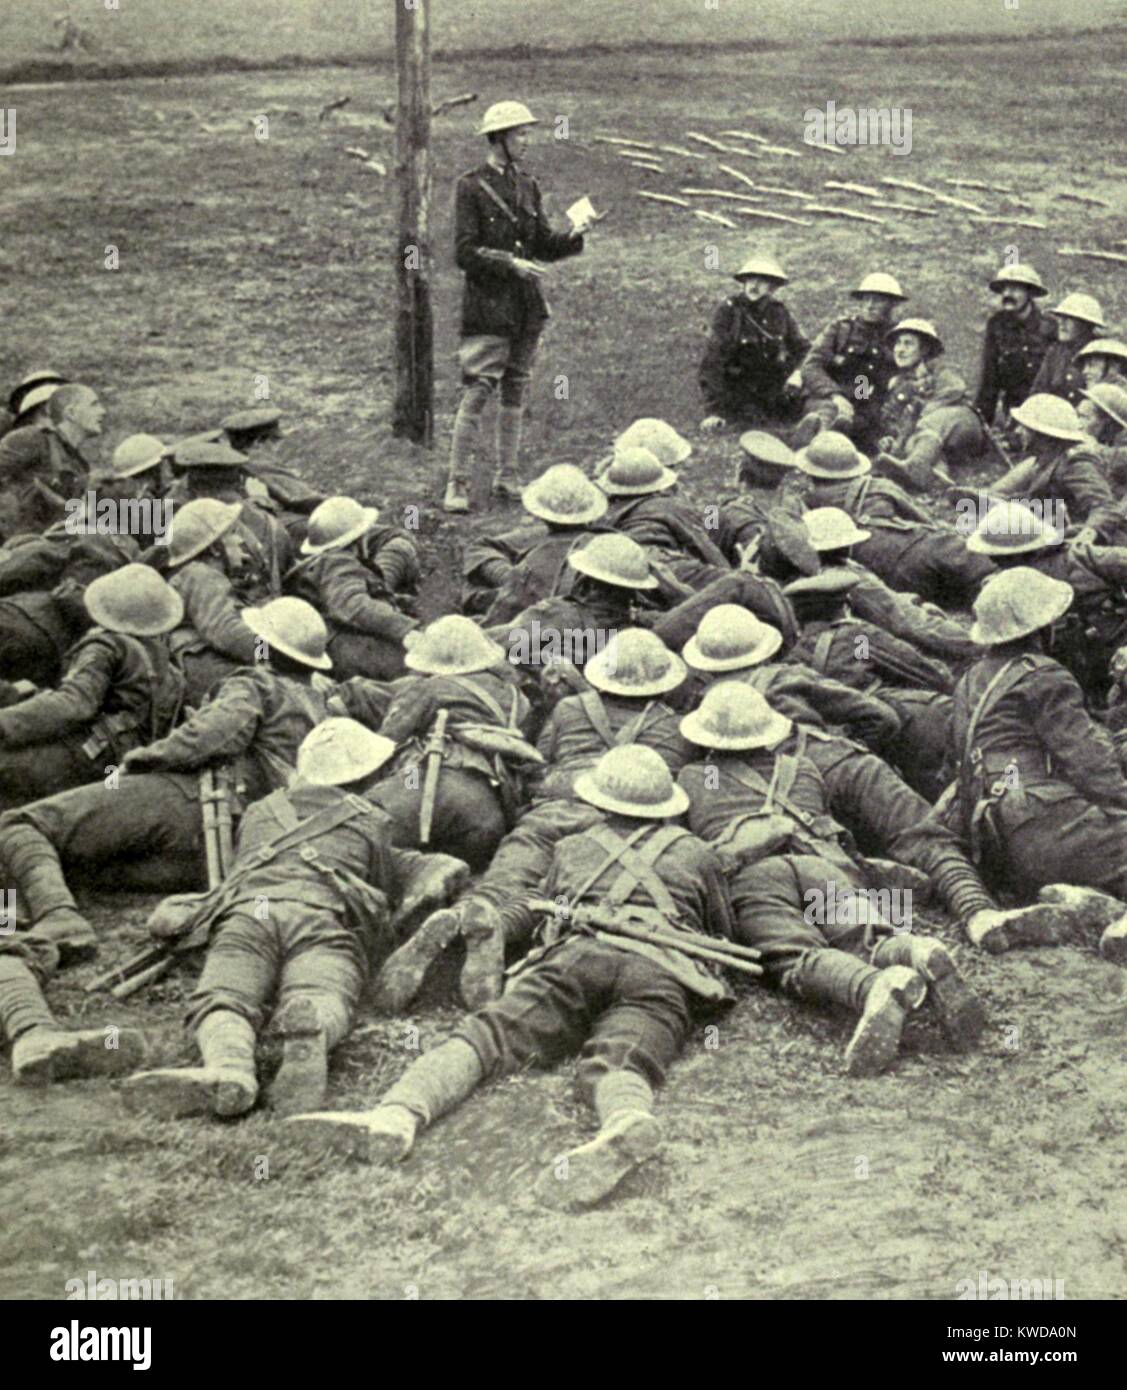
(563, 660)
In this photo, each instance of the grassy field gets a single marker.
(146, 32)
(241, 259)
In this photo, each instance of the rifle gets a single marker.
(629, 922)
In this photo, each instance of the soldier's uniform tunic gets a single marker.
(752, 348)
(1040, 797)
(357, 601)
(1012, 352)
(845, 357)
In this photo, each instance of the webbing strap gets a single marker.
(638, 866)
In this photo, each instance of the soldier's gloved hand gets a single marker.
(712, 422)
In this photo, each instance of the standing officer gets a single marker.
(500, 235)
(753, 352)
(1017, 338)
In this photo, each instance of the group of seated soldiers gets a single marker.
(664, 745)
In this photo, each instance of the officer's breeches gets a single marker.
(143, 835)
(292, 949)
(617, 1009)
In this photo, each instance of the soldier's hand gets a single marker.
(844, 408)
(794, 381)
(712, 422)
(528, 270)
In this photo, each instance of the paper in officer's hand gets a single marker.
(582, 214)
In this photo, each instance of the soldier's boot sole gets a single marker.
(1043, 924)
(483, 975)
(594, 1170)
(405, 969)
(1113, 943)
(1083, 909)
(807, 429)
(44, 1056)
(876, 1040)
(361, 1135)
(962, 1015)
(69, 933)
(303, 1078)
(176, 1093)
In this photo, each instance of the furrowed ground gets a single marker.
(242, 258)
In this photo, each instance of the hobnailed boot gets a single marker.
(431, 1086)
(894, 993)
(506, 481)
(628, 1135)
(309, 1032)
(42, 1052)
(961, 1013)
(807, 430)
(34, 866)
(1086, 909)
(483, 975)
(997, 930)
(225, 1084)
(404, 971)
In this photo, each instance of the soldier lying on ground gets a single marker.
(354, 576)
(628, 1004)
(120, 689)
(1040, 798)
(144, 833)
(293, 931)
(767, 810)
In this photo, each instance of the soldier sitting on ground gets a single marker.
(355, 576)
(927, 424)
(1016, 340)
(630, 1004)
(846, 372)
(749, 372)
(1079, 318)
(293, 930)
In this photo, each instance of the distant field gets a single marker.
(269, 31)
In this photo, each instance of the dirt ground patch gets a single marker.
(242, 260)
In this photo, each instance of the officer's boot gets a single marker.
(431, 1086)
(506, 479)
(33, 867)
(483, 975)
(224, 1085)
(42, 1051)
(628, 1135)
(310, 1026)
(466, 425)
(883, 998)
(404, 971)
(961, 1014)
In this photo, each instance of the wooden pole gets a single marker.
(413, 416)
